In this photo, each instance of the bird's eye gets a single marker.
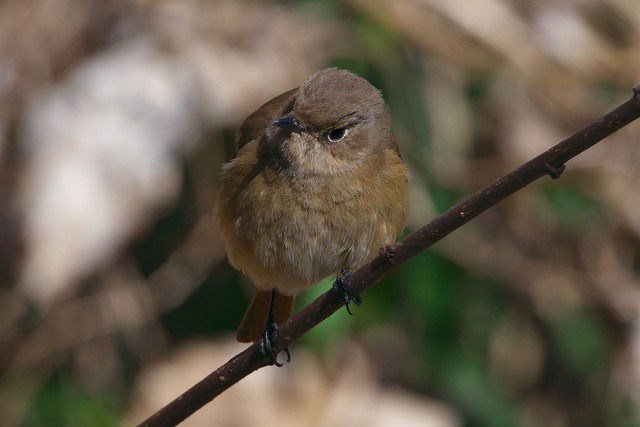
(337, 134)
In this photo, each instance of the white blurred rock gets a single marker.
(102, 150)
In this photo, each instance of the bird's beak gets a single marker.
(288, 122)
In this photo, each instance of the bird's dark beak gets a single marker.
(288, 122)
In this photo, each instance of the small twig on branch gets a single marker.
(551, 163)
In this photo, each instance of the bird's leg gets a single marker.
(348, 297)
(270, 336)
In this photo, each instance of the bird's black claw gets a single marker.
(286, 350)
(268, 341)
(338, 285)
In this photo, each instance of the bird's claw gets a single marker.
(268, 341)
(348, 297)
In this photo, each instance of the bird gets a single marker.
(316, 188)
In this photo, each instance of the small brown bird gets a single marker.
(317, 186)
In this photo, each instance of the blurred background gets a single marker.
(115, 294)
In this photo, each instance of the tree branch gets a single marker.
(551, 163)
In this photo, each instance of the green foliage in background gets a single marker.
(63, 403)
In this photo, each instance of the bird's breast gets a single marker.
(289, 232)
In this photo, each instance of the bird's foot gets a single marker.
(348, 297)
(268, 342)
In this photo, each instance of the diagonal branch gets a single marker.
(551, 163)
